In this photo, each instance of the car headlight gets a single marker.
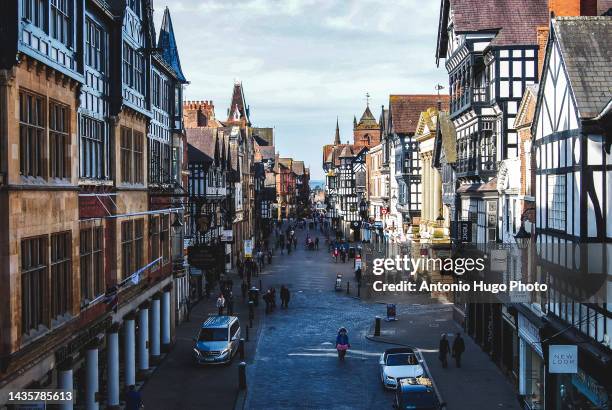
(225, 352)
(389, 378)
(197, 352)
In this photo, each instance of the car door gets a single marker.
(234, 336)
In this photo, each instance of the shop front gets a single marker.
(531, 367)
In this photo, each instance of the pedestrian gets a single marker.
(458, 349)
(220, 304)
(273, 298)
(336, 255)
(266, 298)
(240, 267)
(285, 296)
(317, 243)
(295, 242)
(443, 350)
(269, 257)
(243, 289)
(282, 296)
(134, 399)
(230, 304)
(342, 254)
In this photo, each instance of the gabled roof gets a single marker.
(524, 117)
(238, 104)
(167, 44)
(513, 21)
(405, 110)
(202, 144)
(587, 56)
(298, 167)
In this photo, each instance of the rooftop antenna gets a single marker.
(367, 99)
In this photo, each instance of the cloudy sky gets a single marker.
(304, 62)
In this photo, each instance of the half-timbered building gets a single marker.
(491, 53)
(572, 134)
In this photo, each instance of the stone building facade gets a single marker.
(87, 250)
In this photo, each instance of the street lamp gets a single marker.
(522, 237)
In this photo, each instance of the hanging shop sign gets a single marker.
(563, 359)
(464, 231)
(248, 248)
(227, 235)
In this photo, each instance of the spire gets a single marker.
(238, 105)
(337, 138)
(354, 121)
(167, 44)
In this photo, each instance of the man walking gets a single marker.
(230, 304)
(458, 349)
(220, 304)
(443, 350)
(285, 296)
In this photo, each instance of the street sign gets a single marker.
(563, 359)
(464, 231)
(227, 235)
(384, 211)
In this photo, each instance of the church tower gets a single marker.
(366, 132)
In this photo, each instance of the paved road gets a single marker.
(292, 363)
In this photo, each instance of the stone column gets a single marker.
(155, 307)
(437, 193)
(143, 337)
(91, 376)
(65, 382)
(129, 341)
(165, 318)
(112, 366)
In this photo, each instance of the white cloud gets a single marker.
(303, 62)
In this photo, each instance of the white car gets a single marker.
(398, 363)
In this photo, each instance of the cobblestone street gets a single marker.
(292, 362)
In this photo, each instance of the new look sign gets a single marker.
(563, 359)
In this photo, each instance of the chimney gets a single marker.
(568, 8)
(198, 113)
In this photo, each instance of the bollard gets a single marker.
(251, 313)
(247, 333)
(377, 326)
(260, 288)
(359, 290)
(242, 376)
(241, 348)
(348, 287)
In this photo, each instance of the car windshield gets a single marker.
(402, 359)
(419, 400)
(213, 335)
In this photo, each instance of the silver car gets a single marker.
(217, 340)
